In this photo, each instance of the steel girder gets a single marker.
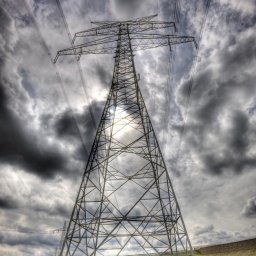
(133, 26)
(108, 45)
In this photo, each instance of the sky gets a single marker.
(203, 109)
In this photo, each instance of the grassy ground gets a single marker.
(237, 253)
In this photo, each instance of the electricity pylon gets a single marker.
(126, 204)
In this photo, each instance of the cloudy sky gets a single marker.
(204, 117)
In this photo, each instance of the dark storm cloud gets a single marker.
(249, 210)
(7, 203)
(65, 127)
(220, 89)
(238, 140)
(105, 75)
(18, 145)
(22, 147)
(234, 156)
(24, 238)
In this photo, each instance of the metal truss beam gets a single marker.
(134, 27)
(138, 41)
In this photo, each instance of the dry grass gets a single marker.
(235, 253)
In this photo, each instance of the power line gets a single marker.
(183, 129)
(171, 66)
(57, 73)
(78, 63)
(15, 230)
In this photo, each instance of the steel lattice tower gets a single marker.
(126, 204)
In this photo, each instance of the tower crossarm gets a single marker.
(144, 41)
(112, 28)
(138, 42)
(103, 46)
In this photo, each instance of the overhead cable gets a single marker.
(190, 87)
(78, 63)
(57, 73)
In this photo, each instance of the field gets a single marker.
(251, 252)
(239, 248)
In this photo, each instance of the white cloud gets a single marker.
(249, 209)
(205, 235)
